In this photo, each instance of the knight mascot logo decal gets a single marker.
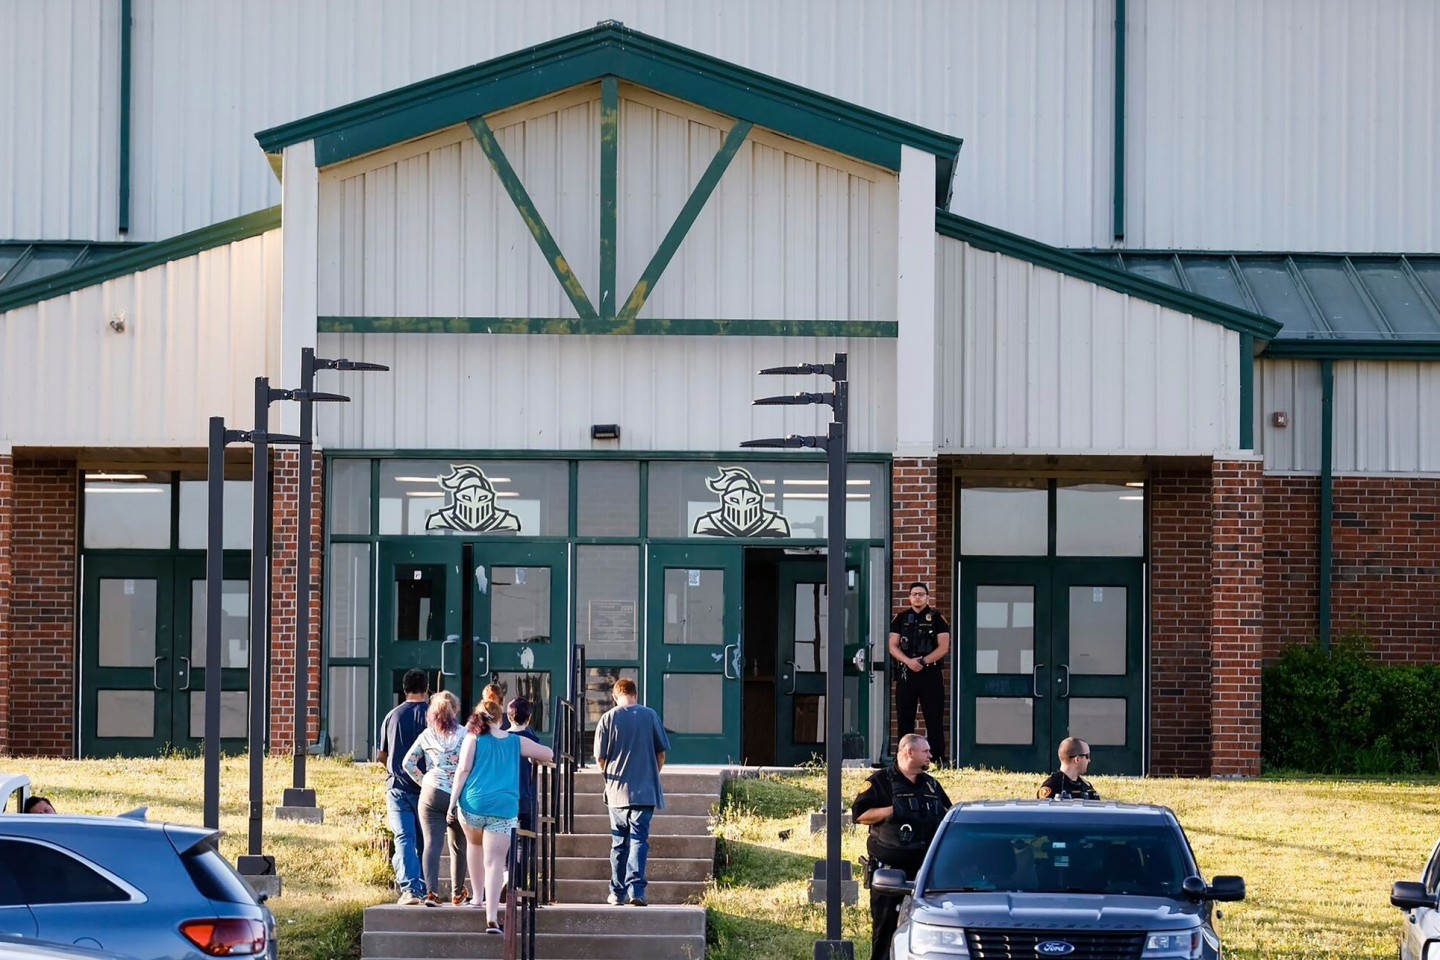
(742, 511)
(470, 504)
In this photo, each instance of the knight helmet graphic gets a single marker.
(742, 511)
(471, 505)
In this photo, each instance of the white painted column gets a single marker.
(916, 357)
(300, 218)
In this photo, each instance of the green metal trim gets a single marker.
(1118, 159)
(1327, 497)
(643, 456)
(683, 222)
(612, 49)
(141, 257)
(1353, 349)
(528, 212)
(609, 186)
(596, 326)
(991, 238)
(1247, 392)
(122, 217)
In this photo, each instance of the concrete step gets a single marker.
(680, 780)
(662, 846)
(658, 892)
(556, 918)
(663, 825)
(598, 868)
(676, 804)
(563, 946)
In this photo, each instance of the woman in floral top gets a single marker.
(439, 744)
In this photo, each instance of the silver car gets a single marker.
(1420, 934)
(127, 886)
(1046, 878)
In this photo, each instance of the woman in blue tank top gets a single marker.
(486, 799)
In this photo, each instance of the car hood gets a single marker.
(1057, 911)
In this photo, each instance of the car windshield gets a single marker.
(1026, 857)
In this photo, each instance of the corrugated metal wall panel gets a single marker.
(59, 70)
(1284, 125)
(197, 332)
(481, 392)
(1291, 387)
(1036, 361)
(1384, 418)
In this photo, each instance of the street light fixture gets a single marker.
(833, 947)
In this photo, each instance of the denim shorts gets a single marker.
(480, 821)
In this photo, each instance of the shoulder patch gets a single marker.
(1045, 792)
(867, 786)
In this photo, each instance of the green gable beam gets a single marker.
(1337, 349)
(694, 327)
(683, 222)
(141, 257)
(986, 237)
(543, 238)
(609, 180)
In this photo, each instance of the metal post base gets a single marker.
(258, 871)
(834, 950)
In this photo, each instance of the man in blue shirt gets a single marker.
(402, 795)
(630, 748)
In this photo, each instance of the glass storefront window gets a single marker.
(234, 624)
(607, 496)
(607, 605)
(195, 515)
(132, 513)
(349, 699)
(349, 626)
(348, 498)
(1009, 521)
(1100, 520)
(774, 499)
(527, 498)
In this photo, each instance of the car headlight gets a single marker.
(1184, 943)
(928, 940)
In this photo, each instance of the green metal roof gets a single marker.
(611, 49)
(1330, 305)
(24, 262)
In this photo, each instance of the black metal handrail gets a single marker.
(526, 866)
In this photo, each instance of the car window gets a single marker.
(1432, 873)
(215, 878)
(1029, 858)
(44, 875)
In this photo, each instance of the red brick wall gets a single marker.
(916, 549)
(1292, 560)
(1237, 577)
(284, 561)
(1180, 522)
(42, 609)
(7, 506)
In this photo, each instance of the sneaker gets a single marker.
(637, 901)
(460, 897)
(492, 927)
(408, 899)
(432, 899)
(613, 900)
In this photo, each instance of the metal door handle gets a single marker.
(186, 661)
(155, 674)
(1035, 681)
(476, 641)
(725, 661)
(1065, 680)
(443, 645)
(793, 678)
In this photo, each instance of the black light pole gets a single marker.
(297, 795)
(833, 947)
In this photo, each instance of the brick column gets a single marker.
(7, 509)
(283, 559)
(915, 549)
(42, 609)
(1237, 572)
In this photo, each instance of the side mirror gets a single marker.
(1409, 895)
(887, 880)
(1226, 888)
(1193, 887)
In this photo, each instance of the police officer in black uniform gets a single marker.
(1067, 783)
(919, 642)
(903, 806)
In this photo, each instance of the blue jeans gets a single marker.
(402, 813)
(629, 849)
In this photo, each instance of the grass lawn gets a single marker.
(1318, 856)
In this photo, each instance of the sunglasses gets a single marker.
(1081, 756)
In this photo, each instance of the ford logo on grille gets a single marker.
(1054, 948)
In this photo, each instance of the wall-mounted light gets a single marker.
(1280, 419)
(605, 431)
(117, 321)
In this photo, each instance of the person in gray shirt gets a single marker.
(630, 748)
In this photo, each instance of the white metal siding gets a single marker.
(1284, 124)
(1036, 361)
(1291, 387)
(197, 332)
(483, 392)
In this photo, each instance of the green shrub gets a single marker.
(1339, 711)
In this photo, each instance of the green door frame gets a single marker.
(1052, 685)
(429, 639)
(714, 667)
(190, 569)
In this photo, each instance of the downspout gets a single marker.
(1327, 494)
(1247, 391)
(122, 219)
(1118, 184)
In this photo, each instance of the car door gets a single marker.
(69, 899)
(1422, 925)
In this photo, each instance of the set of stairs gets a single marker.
(581, 924)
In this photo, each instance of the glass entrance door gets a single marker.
(1049, 649)
(694, 663)
(420, 617)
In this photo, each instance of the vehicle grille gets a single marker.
(1021, 944)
